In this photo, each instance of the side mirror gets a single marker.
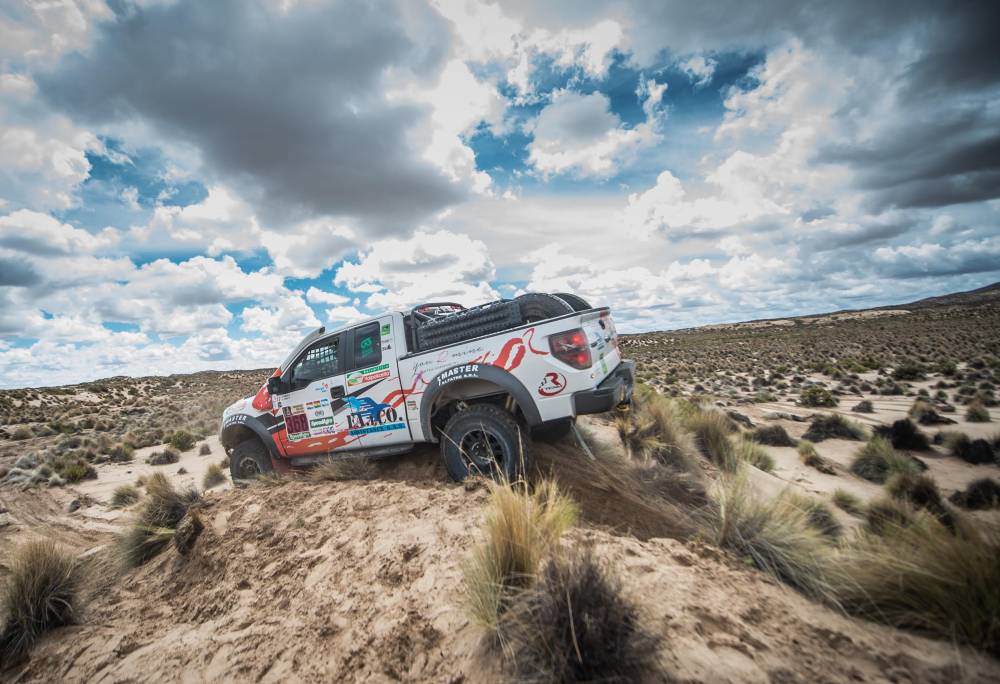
(275, 386)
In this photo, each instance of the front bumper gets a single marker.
(614, 390)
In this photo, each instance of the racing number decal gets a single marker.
(552, 384)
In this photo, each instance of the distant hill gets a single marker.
(983, 295)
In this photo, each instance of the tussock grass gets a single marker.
(904, 435)
(753, 453)
(833, 425)
(864, 406)
(887, 514)
(125, 495)
(976, 412)
(810, 457)
(773, 435)
(877, 460)
(920, 576)
(711, 431)
(214, 475)
(575, 625)
(981, 494)
(847, 502)
(344, 469)
(520, 528)
(777, 536)
(975, 451)
(816, 396)
(156, 520)
(40, 593)
(818, 514)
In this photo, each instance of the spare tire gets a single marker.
(578, 303)
(538, 306)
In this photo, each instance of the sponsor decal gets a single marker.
(321, 422)
(368, 415)
(386, 329)
(366, 375)
(552, 384)
(319, 413)
(296, 422)
(366, 346)
(312, 405)
(238, 419)
(468, 371)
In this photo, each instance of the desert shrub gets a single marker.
(975, 451)
(165, 457)
(810, 457)
(21, 433)
(205, 450)
(887, 514)
(773, 435)
(711, 433)
(919, 576)
(75, 470)
(908, 370)
(121, 453)
(753, 453)
(520, 528)
(847, 502)
(864, 406)
(903, 434)
(344, 469)
(776, 536)
(976, 412)
(575, 625)
(877, 460)
(123, 496)
(832, 425)
(214, 475)
(981, 494)
(925, 414)
(161, 511)
(182, 440)
(920, 490)
(40, 593)
(816, 396)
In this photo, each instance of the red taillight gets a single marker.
(571, 348)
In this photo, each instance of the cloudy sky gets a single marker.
(189, 184)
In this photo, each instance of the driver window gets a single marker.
(319, 362)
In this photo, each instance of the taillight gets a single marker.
(571, 347)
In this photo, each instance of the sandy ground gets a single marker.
(359, 581)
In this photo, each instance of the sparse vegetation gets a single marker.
(847, 502)
(165, 457)
(711, 432)
(833, 426)
(575, 625)
(887, 515)
(976, 412)
(520, 528)
(214, 475)
(817, 397)
(981, 494)
(344, 469)
(124, 496)
(204, 450)
(975, 451)
(877, 460)
(753, 453)
(864, 406)
(810, 457)
(160, 513)
(182, 440)
(773, 435)
(41, 592)
(903, 434)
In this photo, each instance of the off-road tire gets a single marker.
(485, 439)
(552, 431)
(578, 303)
(249, 460)
(538, 306)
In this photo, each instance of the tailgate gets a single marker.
(603, 340)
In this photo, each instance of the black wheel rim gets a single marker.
(482, 450)
(249, 468)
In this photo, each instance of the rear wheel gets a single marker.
(578, 303)
(249, 460)
(486, 440)
(537, 306)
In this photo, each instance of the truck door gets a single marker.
(376, 406)
(314, 408)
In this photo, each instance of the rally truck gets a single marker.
(481, 382)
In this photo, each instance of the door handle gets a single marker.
(336, 392)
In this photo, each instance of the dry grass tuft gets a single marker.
(878, 460)
(214, 475)
(520, 528)
(753, 453)
(976, 412)
(575, 625)
(920, 576)
(344, 469)
(40, 593)
(125, 495)
(849, 503)
(810, 457)
(161, 511)
(711, 431)
(833, 425)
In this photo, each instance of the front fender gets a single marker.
(477, 371)
(239, 427)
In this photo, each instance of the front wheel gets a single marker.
(249, 461)
(484, 439)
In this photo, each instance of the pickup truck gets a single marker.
(481, 382)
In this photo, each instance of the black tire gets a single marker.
(552, 431)
(484, 439)
(537, 306)
(249, 460)
(578, 303)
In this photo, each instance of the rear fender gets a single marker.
(481, 374)
(240, 427)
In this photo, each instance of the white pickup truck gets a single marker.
(479, 381)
